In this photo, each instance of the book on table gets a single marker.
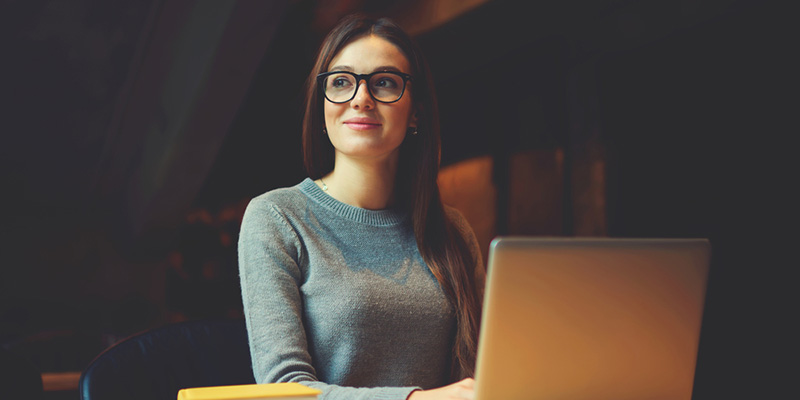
(264, 391)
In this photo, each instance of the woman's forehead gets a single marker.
(368, 54)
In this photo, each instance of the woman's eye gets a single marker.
(386, 82)
(340, 82)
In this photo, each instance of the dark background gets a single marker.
(134, 132)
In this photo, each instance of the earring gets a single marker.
(325, 131)
(413, 130)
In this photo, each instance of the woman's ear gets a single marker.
(412, 119)
(412, 124)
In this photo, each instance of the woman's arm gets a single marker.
(270, 277)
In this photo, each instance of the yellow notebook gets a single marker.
(267, 391)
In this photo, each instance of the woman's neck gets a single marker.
(362, 184)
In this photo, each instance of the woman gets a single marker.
(359, 281)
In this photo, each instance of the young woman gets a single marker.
(359, 281)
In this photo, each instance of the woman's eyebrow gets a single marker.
(388, 68)
(341, 68)
(351, 69)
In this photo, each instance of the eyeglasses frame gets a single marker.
(365, 77)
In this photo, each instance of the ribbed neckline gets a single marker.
(361, 215)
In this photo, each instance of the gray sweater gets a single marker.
(339, 298)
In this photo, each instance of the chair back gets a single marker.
(159, 362)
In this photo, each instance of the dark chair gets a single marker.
(158, 363)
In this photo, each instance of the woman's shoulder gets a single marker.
(457, 218)
(279, 195)
(462, 225)
(280, 198)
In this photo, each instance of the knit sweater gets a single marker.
(339, 298)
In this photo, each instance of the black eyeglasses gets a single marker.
(383, 86)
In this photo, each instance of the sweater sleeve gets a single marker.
(270, 256)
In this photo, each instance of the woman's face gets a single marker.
(364, 128)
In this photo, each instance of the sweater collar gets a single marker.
(370, 217)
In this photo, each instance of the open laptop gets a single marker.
(591, 318)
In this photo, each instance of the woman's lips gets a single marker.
(362, 124)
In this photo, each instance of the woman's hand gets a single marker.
(461, 390)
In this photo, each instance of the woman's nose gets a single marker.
(362, 98)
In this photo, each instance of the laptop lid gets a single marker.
(591, 318)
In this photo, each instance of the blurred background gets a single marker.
(135, 132)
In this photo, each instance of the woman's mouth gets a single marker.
(362, 124)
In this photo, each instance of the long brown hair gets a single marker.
(441, 244)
